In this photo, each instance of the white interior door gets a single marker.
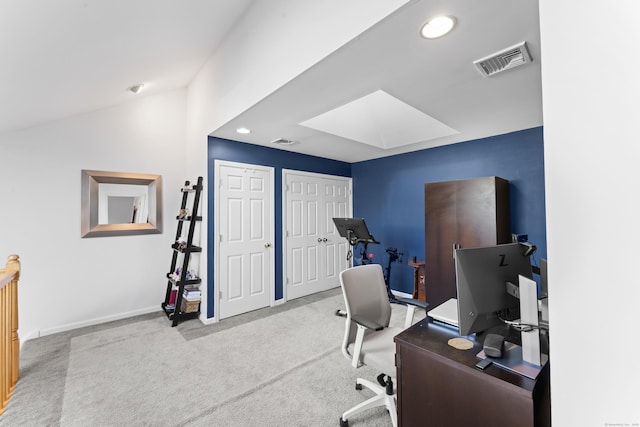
(245, 271)
(315, 252)
(336, 203)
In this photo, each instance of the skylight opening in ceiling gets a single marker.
(380, 120)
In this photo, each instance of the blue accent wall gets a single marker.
(389, 192)
(233, 151)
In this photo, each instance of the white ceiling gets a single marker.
(70, 57)
(67, 57)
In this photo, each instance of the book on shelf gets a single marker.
(191, 295)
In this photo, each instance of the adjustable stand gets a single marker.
(355, 231)
(527, 359)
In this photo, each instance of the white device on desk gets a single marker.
(529, 316)
(507, 355)
(447, 312)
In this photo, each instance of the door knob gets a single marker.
(319, 240)
(267, 245)
(325, 240)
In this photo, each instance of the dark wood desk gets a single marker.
(440, 386)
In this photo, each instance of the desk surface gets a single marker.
(434, 337)
(434, 375)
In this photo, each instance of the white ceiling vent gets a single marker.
(506, 59)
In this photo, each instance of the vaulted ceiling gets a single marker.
(385, 91)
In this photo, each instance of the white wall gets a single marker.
(67, 281)
(591, 89)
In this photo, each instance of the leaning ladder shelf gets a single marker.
(176, 306)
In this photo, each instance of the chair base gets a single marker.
(380, 399)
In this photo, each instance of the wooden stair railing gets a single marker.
(9, 342)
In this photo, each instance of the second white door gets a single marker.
(315, 252)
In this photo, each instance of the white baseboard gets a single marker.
(28, 336)
(207, 320)
(90, 322)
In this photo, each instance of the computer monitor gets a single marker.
(481, 278)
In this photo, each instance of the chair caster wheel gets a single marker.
(344, 423)
(358, 386)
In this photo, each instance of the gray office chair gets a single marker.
(368, 339)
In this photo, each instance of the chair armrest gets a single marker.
(367, 323)
(411, 304)
(414, 302)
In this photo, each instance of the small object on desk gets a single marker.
(446, 312)
(493, 344)
(484, 363)
(460, 343)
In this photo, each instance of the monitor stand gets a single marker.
(527, 359)
(512, 360)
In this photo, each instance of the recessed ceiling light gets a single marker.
(437, 27)
(283, 141)
(243, 130)
(136, 88)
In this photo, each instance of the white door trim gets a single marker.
(216, 230)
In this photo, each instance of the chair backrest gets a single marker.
(365, 295)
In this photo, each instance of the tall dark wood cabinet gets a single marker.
(467, 213)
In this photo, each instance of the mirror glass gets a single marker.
(120, 203)
(121, 210)
(123, 204)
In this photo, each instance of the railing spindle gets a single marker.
(9, 340)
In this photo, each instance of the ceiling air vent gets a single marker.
(506, 59)
(282, 141)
